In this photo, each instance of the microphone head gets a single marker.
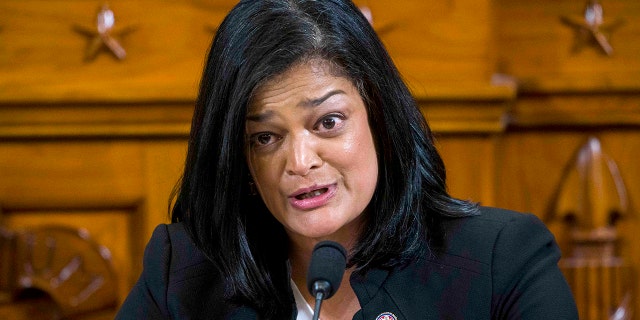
(328, 262)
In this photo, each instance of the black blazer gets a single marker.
(498, 265)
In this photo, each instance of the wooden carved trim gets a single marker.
(592, 28)
(592, 196)
(104, 35)
(590, 201)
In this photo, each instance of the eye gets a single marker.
(263, 138)
(330, 123)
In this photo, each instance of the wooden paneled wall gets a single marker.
(513, 93)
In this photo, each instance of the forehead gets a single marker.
(313, 74)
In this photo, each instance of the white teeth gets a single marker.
(312, 194)
(315, 193)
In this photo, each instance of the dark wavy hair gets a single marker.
(258, 40)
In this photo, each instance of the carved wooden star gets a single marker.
(104, 35)
(591, 28)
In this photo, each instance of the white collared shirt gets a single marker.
(305, 311)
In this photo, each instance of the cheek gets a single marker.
(362, 145)
(358, 155)
(367, 166)
(260, 171)
(267, 179)
(362, 158)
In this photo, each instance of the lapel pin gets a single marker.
(386, 316)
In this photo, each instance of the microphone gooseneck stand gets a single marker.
(328, 262)
(322, 288)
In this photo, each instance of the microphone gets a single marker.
(328, 262)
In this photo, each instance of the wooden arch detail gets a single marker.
(591, 201)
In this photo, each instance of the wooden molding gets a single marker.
(449, 109)
(576, 110)
(101, 120)
(466, 109)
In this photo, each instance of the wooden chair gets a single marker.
(54, 272)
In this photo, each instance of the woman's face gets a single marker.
(311, 152)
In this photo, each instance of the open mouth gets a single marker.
(311, 194)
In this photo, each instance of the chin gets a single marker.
(319, 234)
(315, 231)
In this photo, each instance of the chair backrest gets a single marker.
(63, 263)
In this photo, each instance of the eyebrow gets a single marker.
(318, 101)
(259, 117)
(306, 104)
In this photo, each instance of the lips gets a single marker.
(313, 197)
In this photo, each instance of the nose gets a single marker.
(302, 155)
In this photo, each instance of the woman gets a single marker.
(304, 131)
